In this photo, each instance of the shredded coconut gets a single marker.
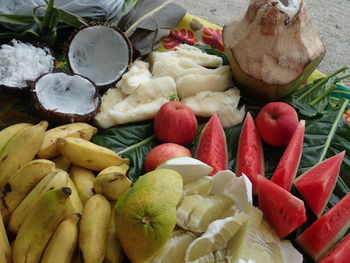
(21, 62)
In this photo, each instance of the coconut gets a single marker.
(272, 48)
(101, 53)
(62, 98)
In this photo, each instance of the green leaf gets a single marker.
(48, 16)
(126, 8)
(14, 20)
(71, 19)
(55, 18)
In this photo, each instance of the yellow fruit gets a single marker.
(62, 163)
(74, 204)
(5, 249)
(200, 186)
(7, 133)
(84, 181)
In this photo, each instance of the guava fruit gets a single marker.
(145, 215)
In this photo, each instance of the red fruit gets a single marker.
(288, 165)
(316, 185)
(175, 122)
(164, 152)
(276, 123)
(340, 253)
(250, 156)
(282, 210)
(212, 148)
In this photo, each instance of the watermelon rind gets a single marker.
(326, 231)
(340, 253)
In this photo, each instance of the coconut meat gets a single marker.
(68, 94)
(22, 62)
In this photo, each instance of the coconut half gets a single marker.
(63, 98)
(101, 53)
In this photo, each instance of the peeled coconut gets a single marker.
(62, 98)
(272, 48)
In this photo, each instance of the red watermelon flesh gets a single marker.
(288, 165)
(318, 238)
(212, 147)
(340, 253)
(281, 209)
(316, 185)
(250, 156)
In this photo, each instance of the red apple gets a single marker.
(164, 152)
(276, 123)
(175, 122)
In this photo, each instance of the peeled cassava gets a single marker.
(272, 48)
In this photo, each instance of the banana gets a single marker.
(20, 149)
(87, 154)
(40, 225)
(53, 180)
(62, 163)
(21, 183)
(94, 229)
(114, 251)
(64, 241)
(74, 204)
(84, 181)
(78, 130)
(7, 133)
(112, 182)
(5, 249)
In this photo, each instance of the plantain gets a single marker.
(7, 133)
(20, 149)
(78, 130)
(62, 163)
(53, 180)
(21, 183)
(40, 225)
(74, 204)
(112, 182)
(84, 181)
(64, 241)
(87, 154)
(5, 249)
(94, 229)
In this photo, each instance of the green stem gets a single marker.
(48, 14)
(342, 78)
(332, 131)
(132, 147)
(324, 94)
(322, 82)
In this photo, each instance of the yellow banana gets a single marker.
(62, 163)
(74, 204)
(84, 181)
(20, 149)
(21, 183)
(112, 182)
(5, 249)
(78, 130)
(93, 229)
(53, 180)
(64, 241)
(87, 154)
(7, 133)
(39, 226)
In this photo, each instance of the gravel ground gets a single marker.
(331, 18)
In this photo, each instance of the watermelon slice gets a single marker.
(212, 147)
(250, 156)
(340, 253)
(316, 185)
(282, 210)
(288, 165)
(318, 238)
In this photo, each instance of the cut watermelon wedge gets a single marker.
(282, 210)
(288, 165)
(250, 156)
(316, 185)
(317, 239)
(212, 147)
(340, 253)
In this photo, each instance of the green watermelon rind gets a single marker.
(337, 253)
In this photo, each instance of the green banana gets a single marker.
(53, 180)
(74, 204)
(40, 225)
(21, 183)
(84, 181)
(64, 241)
(112, 182)
(7, 133)
(94, 229)
(20, 149)
(5, 249)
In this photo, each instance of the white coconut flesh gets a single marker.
(99, 53)
(290, 7)
(68, 94)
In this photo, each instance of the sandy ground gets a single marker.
(331, 18)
